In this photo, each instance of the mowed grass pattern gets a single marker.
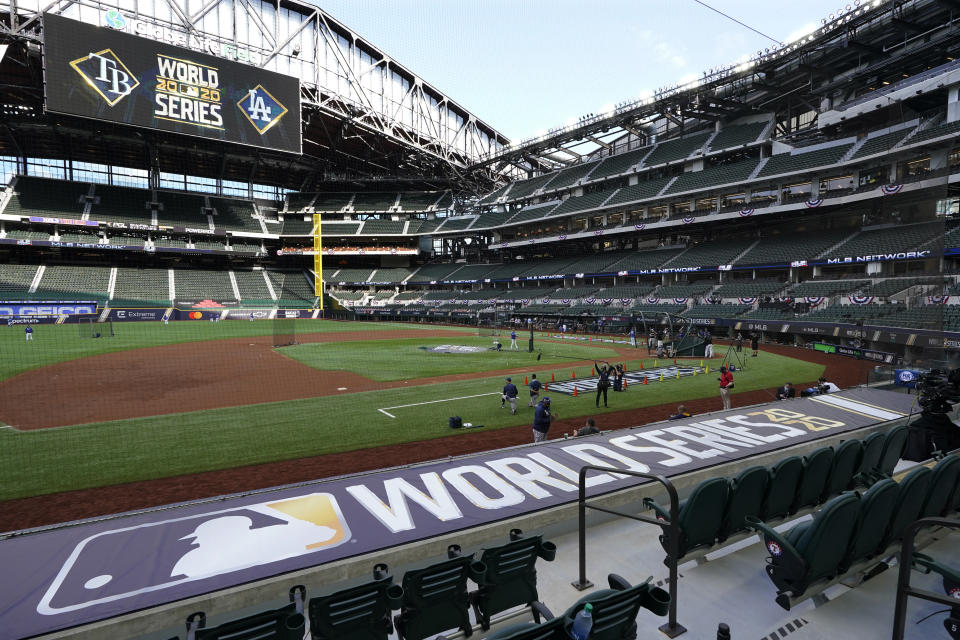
(91, 455)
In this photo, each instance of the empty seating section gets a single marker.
(880, 143)
(352, 275)
(890, 286)
(245, 247)
(849, 313)
(384, 295)
(524, 188)
(420, 200)
(43, 197)
(826, 287)
(73, 283)
(641, 191)
(86, 238)
(641, 260)
(576, 292)
(492, 197)
(446, 201)
(586, 202)
(598, 263)
(473, 272)
(711, 253)
(434, 272)
(507, 271)
(717, 311)
(457, 223)
(337, 228)
(570, 176)
(373, 201)
(618, 164)
(15, 280)
(787, 247)
(427, 226)
(293, 289)
(24, 233)
(492, 219)
(121, 204)
(390, 275)
(388, 227)
(888, 240)
(672, 150)
(723, 174)
(656, 309)
(533, 212)
(408, 296)
(294, 225)
(951, 128)
(331, 202)
(748, 288)
(194, 284)
(737, 135)
(770, 314)
(182, 210)
(298, 201)
(691, 290)
(627, 291)
(527, 293)
(350, 296)
(209, 245)
(235, 214)
(552, 267)
(253, 288)
(439, 295)
(141, 288)
(173, 243)
(800, 160)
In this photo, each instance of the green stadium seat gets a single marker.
(784, 480)
(893, 446)
(699, 516)
(942, 485)
(615, 609)
(358, 613)
(811, 550)
(510, 579)
(813, 482)
(435, 598)
(549, 630)
(746, 499)
(910, 499)
(876, 510)
(870, 458)
(285, 623)
(845, 462)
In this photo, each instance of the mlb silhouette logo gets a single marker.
(261, 109)
(106, 74)
(120, 563)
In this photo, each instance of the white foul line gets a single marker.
(417, 404)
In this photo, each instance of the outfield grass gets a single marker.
(53, 460)
(59, 343)
(410, 359)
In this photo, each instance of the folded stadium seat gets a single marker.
(951, 586)
(746, 499)
(699, 516)
(550, 630)
(811, 550)
(845, 463)
(358, 613)
(869, 458)
(435, 599)
(942, 485)
(910, 499)
(893, 446)
(511, 576)
(784, 480)
(876, 511)
(285, 623)
(615, 609)
(816, 472)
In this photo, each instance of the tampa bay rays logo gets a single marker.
(119, 563)
(261, 109)
(107, 75)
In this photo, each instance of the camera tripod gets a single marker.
(733, 356)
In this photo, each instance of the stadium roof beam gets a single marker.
(600, 142)
(907, 25)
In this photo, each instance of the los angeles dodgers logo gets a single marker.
(261, 109)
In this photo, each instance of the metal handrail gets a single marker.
(904, 590)
(671, 629)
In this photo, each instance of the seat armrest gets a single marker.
(662, 514)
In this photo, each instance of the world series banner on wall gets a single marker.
(103, 73)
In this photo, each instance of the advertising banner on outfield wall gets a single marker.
(136, 315)
(102, 73)
(64, 577)
(54, 308)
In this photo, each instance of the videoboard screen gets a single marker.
(102, 73)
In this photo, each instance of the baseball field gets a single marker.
(156, 401)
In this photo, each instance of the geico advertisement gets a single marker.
(78, 574)
(106, 74)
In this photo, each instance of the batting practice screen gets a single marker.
(98, 72)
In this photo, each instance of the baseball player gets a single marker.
(28, 330)
(535, 387)
(513, 341)
(541, 420)
(510, 394)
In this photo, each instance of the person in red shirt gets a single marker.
(726, 385)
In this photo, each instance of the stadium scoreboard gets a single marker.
(105, 74)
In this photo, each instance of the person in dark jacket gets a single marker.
(541, 420)
(603, 382)
(510, 394)
(786, 391)
(588, 429)
(755, 344)
(681, 414)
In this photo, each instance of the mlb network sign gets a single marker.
(102, 73)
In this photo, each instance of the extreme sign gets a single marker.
(101, 73)
(67, 576)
